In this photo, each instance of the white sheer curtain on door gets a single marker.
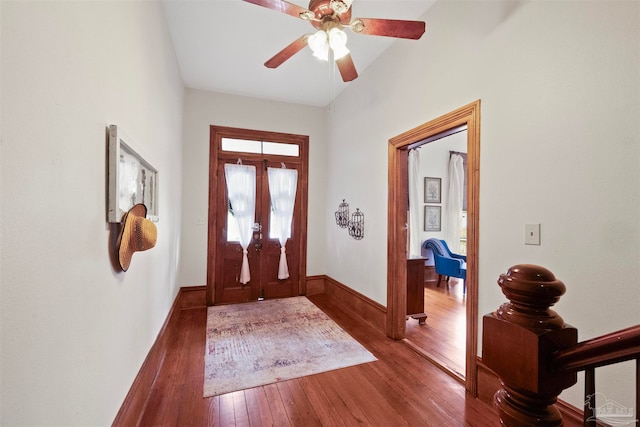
(282, 189)
(241, 190)
(414, 204)
(454, 202)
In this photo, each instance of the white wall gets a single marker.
(560, 146)
(74, 331)
(203, 109)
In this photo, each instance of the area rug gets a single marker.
(259, 343)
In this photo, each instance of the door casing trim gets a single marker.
(468, 115)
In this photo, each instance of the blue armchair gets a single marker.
(447, 264)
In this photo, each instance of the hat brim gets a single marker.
(123, 244)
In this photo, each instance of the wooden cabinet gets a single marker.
(415, 289)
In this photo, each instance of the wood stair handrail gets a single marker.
(537, 356)
(608, 349)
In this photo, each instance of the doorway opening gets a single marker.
(399, 147)
(437, 216)
(254, 252)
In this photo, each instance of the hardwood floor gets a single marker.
(400, 389)
(443, 337)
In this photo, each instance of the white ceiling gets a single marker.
(221, 46)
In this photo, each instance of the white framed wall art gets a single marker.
(132, 179)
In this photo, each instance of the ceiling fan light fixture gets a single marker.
(339, 6)
(319, 45)
(329, 17)
(357, 26)
(307, 15)
(338, 42)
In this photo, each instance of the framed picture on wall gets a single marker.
(432, 190)
(132, 179)
(432, 218)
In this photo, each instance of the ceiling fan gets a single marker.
(329, 17)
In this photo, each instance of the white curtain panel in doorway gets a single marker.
(241, 190)
(414, 204)
(454, 203)
(282, 189)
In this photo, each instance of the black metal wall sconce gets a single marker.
(342, 214)
(355, 225)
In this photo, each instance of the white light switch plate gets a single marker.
(532, 234)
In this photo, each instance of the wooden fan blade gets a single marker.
(280, 6)
(347, 68)
(287, 52)
(390, 28)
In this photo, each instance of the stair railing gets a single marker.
(616, 347)
(536, 355)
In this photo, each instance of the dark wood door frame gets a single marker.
(215, 137)
(468, 115)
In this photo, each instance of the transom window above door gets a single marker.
(260, 147)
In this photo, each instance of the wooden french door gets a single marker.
(225, 252)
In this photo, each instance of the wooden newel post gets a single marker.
(518, 341)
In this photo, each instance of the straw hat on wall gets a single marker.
(137, 234)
